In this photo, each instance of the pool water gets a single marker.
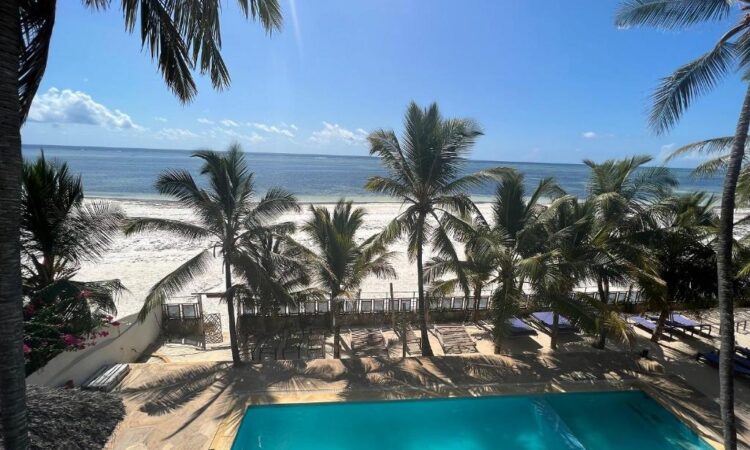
(592, 421)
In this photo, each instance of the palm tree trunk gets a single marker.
(336, 329)
(726, 275)
(555, 326)
(426, 348)
(604, 298)
(477, 297)
(660, 324)
(12, 367)
(230, 311)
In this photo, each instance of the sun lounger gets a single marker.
(678, 321)
(455, 340)
(368, 342)
(520, 328)
(413, 342)
(649, 325)
(315, 345)
(712, 359)
(546, 319)
(106, 378)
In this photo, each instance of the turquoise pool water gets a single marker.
(592, 421)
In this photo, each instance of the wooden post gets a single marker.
(393, 309)
(203, 319)
(403, 338)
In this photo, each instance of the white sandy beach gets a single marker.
(140, 261)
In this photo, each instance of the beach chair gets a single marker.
(106, 378)
(413, 342)
(680, 322)
(454, 339)
(368, 342)
(649, 325)
(519, 328)
(712, 359)
(315, 344)
(546, 319)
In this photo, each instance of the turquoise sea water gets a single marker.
(591, 421)
(131, 172)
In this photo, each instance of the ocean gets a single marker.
(129, 173)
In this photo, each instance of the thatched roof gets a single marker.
(71, 418)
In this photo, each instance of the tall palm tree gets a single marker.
(179, 36)
(425, 172)
(341, 262)
(681, 242)
(513, 234)
(675, 94)
(622, 192)
(226, 213)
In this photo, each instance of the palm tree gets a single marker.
(273, 269)
(425, 172)
(479, 266)
(59, 230)
(565, 260)
(181, 37)
(341, 263)
(681, 243)
(622, 192)
(675, 94)
(226, 214)
(514, 233)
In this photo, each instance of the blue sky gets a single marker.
(548, 81)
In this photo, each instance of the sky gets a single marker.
(551, 81)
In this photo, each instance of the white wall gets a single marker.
(124, 344)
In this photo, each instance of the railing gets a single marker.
(403, 304)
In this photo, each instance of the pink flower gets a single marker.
(26, 349)
(84, 294)
(115, 324)
(103, 333)
(71, 341)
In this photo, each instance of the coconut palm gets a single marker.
(622, 193)
(227, 212)
(181, 37)
(425, 172)
(681, 243)
(514, 233)
(59, 230)
(341, 262)
(273, 269)
(566, 259)
(672, 97)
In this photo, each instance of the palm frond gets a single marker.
(677, 91)
(671, 14)
(37, 19)
(143, 224)
(174, 282)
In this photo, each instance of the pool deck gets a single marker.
(200, 405)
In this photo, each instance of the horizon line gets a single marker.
(83, 147)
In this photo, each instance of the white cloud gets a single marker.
(284, 130)
(68, 106)
(175, 134)
(589, 135)
(229, 123)
(205, 121)
(334, 132)
(252, 138)
(160, 119)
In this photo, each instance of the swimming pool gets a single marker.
(592, 421)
